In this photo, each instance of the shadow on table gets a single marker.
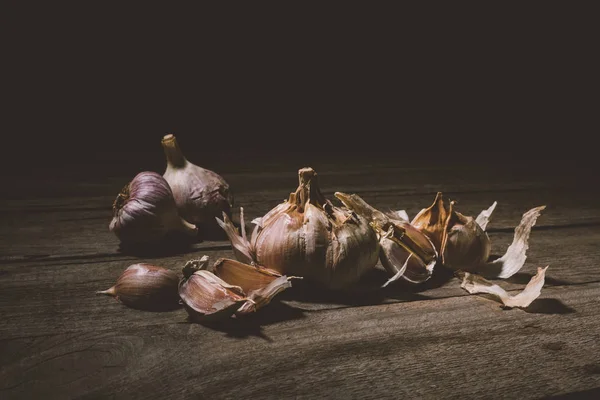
(252, 324)
(549, 306)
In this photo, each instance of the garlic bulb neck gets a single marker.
(308, 190)
(175, 158)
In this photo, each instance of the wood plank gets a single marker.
(80, 228)
(460, 347)
(59, 296)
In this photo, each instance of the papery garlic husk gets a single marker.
(206, 296)
(476, 284)
(200, 194)
(405, 252)
(145, 211)
(307, 236)
(146, 287)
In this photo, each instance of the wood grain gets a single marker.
(60, 340)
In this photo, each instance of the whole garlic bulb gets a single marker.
(145, 211)
(462, 243)
(147, 287)
(309, 237)
(200, 194)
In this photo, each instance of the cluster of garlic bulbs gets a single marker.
(185, 198)
(306, 236)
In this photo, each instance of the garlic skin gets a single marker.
(146, 287)
(309, 237)
(145, 211)
(200, 194)
(208, 297)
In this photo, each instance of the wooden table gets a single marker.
(58, 339)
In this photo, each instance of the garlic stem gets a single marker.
(173, 153)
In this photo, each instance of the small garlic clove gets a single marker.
(476, 284)
(145, 211)
(465, 246)
(146, 287)
(484, 217)
(516, 254)
(206, 297)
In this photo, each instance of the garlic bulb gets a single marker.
(145, 211)
(208, 297)
(462, 243)
(307, 236)
(147, 287)
(200, 194)
(405, 251)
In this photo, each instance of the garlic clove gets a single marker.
(516, 254)
(465, 245)
(398, 240)
(260, 297)
(206, 297)
(476, 284)
(147, 287)
(248, 277)
(145, 211)
(200, 194)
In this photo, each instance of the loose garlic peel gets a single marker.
(476, 284)
(405, 252)
(308, 236)
(208, 297)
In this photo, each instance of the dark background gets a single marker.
(92, 89)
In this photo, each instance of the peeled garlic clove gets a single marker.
(207, 297)
(200, 194)
(476, 284)
(465, 246)
(309, 237)
(145, 211)
(147, 287)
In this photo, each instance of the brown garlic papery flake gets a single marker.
(207, 297)
(145, 211)
(147, 287)
(200, 194)
(405, 251)
(307, 236)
